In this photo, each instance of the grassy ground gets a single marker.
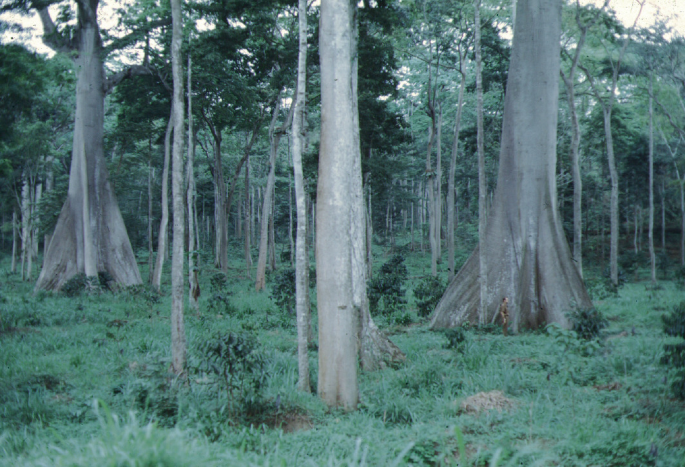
(84, 381)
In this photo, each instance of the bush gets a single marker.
(238, 365)
(456, 338)
(587, 322)
(674, 354)
(428, 293)
(283, 290)
(386, 291)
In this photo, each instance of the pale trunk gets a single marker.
(451, 225)
(221, 226)
(178, 334)
(193, 256)
(164, 222)
(650, 235)
(14, 241)
(530, 260)
(302, 305)
(438, 190)
(90, 235)
(431, 202)
(482, 187)
(25, 227)
(613, 210)
(248, 219)
(150, 250)
(336, 227)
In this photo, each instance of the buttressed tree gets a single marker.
(90, 235)
(528, 258)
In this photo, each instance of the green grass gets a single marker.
(84, 381)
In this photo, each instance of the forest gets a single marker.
(342, 232)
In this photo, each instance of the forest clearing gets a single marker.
(342, 232)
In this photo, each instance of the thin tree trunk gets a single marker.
(14, 241)
(450, 181)
(438, 189)
(178, 334)
(652, 255)
(482, 187)
(150, 248)
(248, 219)
(681, 186)
(164, 223)
(193, 256)
(302, 304)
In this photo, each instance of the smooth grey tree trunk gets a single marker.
(302, 303)
(14, 241)
(451, 225)
(163, 236)
(178, 333)
(193, 250)
(528, 256)
(650, 234)
(150, 248)
(482, 183)
(90, 235)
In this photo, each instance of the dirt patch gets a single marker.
(290, 422)
(484, 401)
(608, 387)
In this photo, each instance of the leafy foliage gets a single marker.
(283, 290)
(428, 293)
(238, 364)
(587, 322)
(674, 354)
(456, 338)
(386, 291)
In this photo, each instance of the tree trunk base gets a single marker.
(376, 350)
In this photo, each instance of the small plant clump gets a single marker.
(283, 290)
(386, 291)
(587, 322)
(674, 354)
(428, 293)
(456, 338)
(238, 364)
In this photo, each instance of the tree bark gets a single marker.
(14, 241)
(450, 182)
(193, 251)
(302, 304)
(90, 235)
(163, 236)
(178, 334)
(528, 256)
(482, 185)
(652, 255)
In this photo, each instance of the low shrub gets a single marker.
(283, 290)
(428, 293)
(587, 322)
(386, 291)
(674, 354)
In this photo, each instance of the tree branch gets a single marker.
(51, 36)
(135, 35)
(128, 72)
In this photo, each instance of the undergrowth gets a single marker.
(85, 380)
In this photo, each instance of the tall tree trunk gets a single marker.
(267, 208)
(193, 251)
(681, 186)
(220, 209)
(338, 307)
(652, 255)
(530, 261)
(90, 235)
(150, 248)
(438, 188)
(178, 334)
(25, 226)
(302, 304)
(482, 186)
(14, 241)
(450, 181)
(249, 214)
(162, 238)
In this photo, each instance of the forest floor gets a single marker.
(84, 381)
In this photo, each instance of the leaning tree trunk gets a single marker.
(90, 235)
(527, 253)
(163, 236)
